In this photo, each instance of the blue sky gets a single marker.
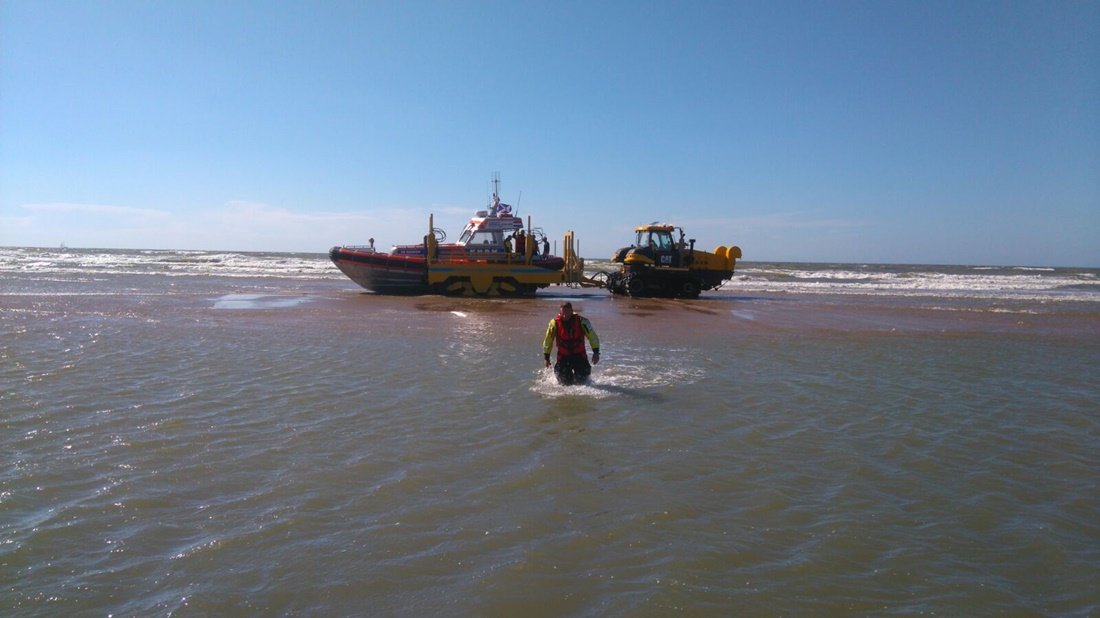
(896, 132)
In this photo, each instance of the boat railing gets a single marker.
(490, 257)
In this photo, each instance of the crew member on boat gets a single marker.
(521, 242)
(569, 330)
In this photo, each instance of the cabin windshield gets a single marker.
(660, 240)
(492, 238)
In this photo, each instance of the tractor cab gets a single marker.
(656, 245)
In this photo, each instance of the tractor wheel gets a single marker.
(689, 289)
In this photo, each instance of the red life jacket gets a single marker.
(570, 336)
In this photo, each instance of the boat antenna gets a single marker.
(495, 203)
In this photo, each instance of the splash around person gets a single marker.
(569, 330)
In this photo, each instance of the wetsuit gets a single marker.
(572, 365)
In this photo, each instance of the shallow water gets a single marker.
(209, 444)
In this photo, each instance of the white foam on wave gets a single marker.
(164, 262)
(1017, 283)
(976, 282)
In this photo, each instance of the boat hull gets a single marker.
(382, 272)
(388, 273)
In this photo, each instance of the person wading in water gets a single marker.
(569, 331)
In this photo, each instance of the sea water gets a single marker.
(203, 433)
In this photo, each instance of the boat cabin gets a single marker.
(492, 231)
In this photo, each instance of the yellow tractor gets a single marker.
(659, 264)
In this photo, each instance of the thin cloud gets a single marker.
(787, 220)
(258, 226)
(69, 208)
(234, 225)
(265, 215)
